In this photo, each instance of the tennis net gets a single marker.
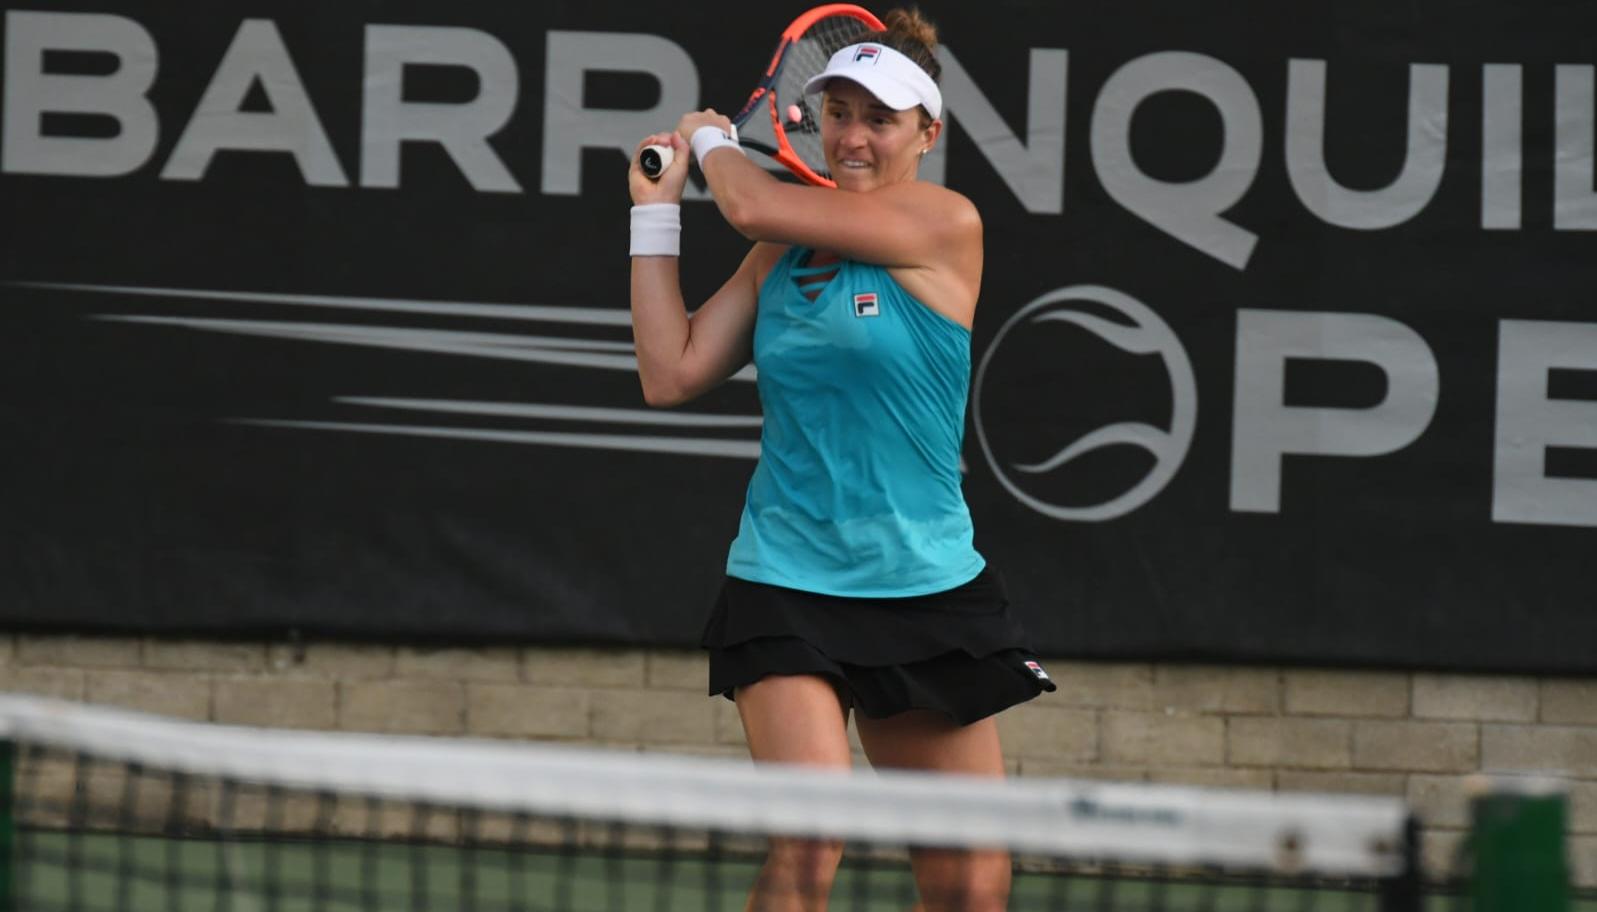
(112, 810)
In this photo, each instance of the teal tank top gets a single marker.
(857, 491)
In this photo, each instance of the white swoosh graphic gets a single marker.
(501, 346)
(560, 412)
(1133, 339)
(736, 449)
(573, 351)
(590, 316)
(1146, 436)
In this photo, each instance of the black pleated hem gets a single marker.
(973, 618)
(963, 687)
(959, 652)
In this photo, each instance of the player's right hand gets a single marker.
(668, 188)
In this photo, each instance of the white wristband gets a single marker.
(707, 139)
(657, 229)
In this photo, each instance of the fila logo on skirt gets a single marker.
(865, 305)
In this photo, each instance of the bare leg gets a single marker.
(949, 880)
(795, 719)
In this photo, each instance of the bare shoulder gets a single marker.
(950, 208)
(946, 274)
(761, 259)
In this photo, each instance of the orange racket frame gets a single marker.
(766, 91)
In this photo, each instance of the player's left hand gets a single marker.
(705, 118)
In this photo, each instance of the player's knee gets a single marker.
(804, 867)
(977, 882)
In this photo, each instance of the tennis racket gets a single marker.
(777, 120)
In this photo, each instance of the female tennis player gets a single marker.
(853, 583)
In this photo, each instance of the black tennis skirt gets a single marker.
(958, 652)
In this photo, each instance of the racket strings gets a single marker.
(804, 59)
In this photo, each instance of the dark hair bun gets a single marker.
(913, 35)
(912, 25)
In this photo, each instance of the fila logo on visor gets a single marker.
(867, 53)
(1036, 669)
(865, 305)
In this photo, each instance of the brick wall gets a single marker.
(1415, 735)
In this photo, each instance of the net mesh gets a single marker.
(807, 57)
(114, 811)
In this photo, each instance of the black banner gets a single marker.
(314, 317)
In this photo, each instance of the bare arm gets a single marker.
(908, 224)
(681, 357)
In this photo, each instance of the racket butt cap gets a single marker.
(654, 160)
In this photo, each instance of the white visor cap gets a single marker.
(893, 78)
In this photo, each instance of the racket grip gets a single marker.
(654, 160)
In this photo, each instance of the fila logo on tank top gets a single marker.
(863, 389)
